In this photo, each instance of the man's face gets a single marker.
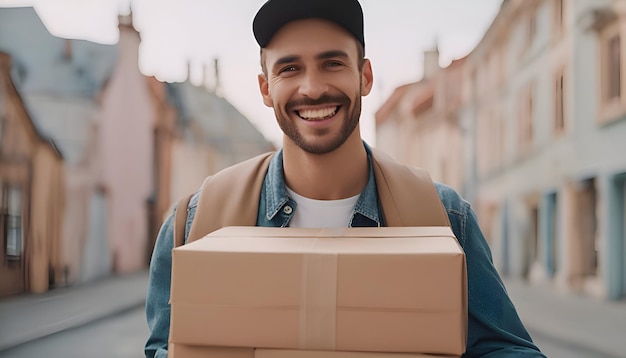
(314, 84)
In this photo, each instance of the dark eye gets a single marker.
(333, 64)
(288, 69)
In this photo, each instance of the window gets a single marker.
(501, 67)
(559, 21)
(500, 135)
(3, 115)
(526, 119)
(496, 140)
(12, 210)
(559, 103)
(491, 133)
(534, 217)
(528, 31)
(483, 144)
(473, 92)
(610, 97)
(613, 77)
(532, 27)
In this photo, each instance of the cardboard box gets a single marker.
(285, 353)
(358, 289)
(184, 351)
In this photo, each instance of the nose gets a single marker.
(313, 85)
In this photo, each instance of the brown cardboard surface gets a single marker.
(394, 290)
(286, 353)
(186, 351)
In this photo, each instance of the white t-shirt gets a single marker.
(311, 213)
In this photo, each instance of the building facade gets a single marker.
(59, 80)
(419, 126)
(31, 194)
(542, 115)
(125, 122)
(548, 126)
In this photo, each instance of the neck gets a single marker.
(340, 174)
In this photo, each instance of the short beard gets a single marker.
(347, 128)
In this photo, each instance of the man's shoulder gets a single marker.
(451, 199)
(458, 210)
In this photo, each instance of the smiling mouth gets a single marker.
(318, 114)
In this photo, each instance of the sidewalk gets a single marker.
(589, 323)
(28, 317)
(585, 322)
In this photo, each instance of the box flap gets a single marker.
(353, 240)
(336, 232)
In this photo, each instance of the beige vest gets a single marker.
(406, 195)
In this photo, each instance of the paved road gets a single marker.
(119, 336)
(558, 349)
(123, 335)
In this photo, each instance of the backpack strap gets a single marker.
(180, 219)
(407, 195)
(230, 197)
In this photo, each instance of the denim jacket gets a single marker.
(494, 328)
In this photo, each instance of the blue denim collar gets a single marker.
(275, 187)
(366, 210)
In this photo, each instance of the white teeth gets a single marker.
(318, 113)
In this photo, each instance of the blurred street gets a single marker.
(106, 319)
(567, 325)
(67, 322)
(118, 336)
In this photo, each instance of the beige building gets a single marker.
(210, 135)
(59, 81)
(197, 133)
(544, 105)
(31, 195)
(125, 122)
(541, 119)
(418, 125)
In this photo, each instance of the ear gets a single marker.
(367, 77)
(264, 87)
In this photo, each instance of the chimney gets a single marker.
(431, 62)
(189, 70)
(205, 83)
(125, 18)
(67, 50)
(218, 85)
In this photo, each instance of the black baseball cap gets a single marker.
(274, 14)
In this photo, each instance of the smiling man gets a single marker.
(314, 75)
(314, 81)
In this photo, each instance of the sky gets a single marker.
(181, 37)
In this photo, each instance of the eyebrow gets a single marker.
(285, 60)
(322, 56)
(332, 54)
